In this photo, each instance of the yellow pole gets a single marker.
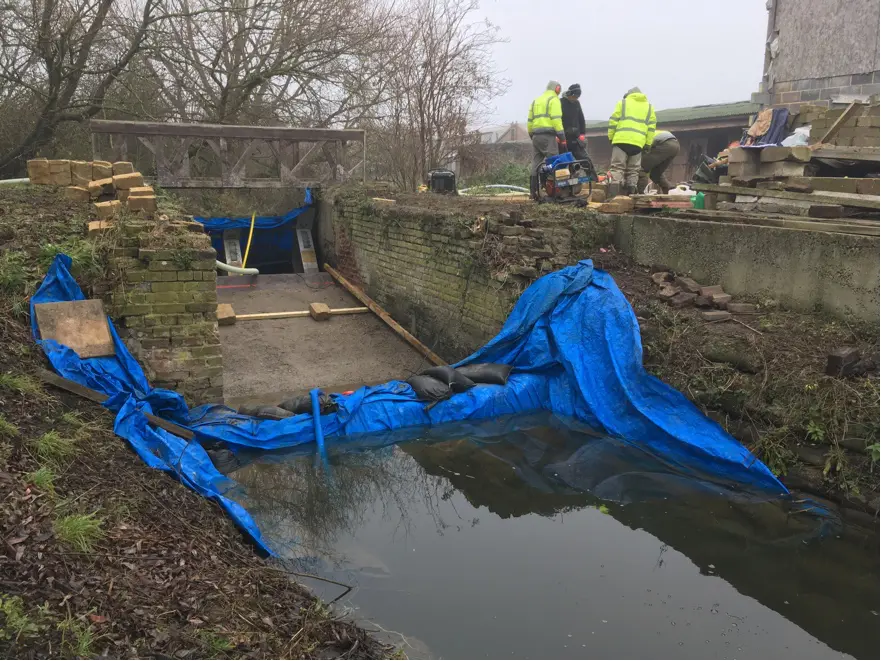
(250, 236)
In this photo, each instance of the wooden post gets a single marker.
(382, 314)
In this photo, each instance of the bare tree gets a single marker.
(445, 89)
(59, 58)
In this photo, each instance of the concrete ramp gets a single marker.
(265, 361)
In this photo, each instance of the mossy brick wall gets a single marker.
(450, 275)
(166, 309)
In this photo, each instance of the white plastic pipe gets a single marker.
(518, 189)
(236, 269)
(15, 181)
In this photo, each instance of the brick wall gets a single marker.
(165, 308)
(819, 91)
(861, 129)
(451, 276)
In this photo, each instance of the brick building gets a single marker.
(820, 52)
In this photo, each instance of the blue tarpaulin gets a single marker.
(260, 222)
(572, 339)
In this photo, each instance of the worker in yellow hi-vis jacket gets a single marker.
(545, 127)
(631, 131)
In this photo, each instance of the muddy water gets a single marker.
(544, 542)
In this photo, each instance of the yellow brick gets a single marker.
(59, 173)
(80, 173)
(127, 181)
(140, 191)
(100, 187)
(99, 226)
(122, 167)
(102, 170)
(105, 210)
(77, 193)
(38, 171)
(144, 203)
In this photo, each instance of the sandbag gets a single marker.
(303, 404)
(429, 389)
(264, 412)
(446, 374)
(494, 373)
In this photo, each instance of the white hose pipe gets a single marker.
(15, 181)
(236, 269)
(518, 189)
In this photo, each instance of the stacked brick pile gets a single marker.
(681, 291)
(109, 186)
(863, 129)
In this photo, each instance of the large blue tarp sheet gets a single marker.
(218, 224)
(572, 339)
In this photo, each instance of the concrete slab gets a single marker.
(266, 361)
(80, 325)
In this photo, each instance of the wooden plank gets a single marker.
(848, 153)
(80, 325)
(862, 201)
(849, 226)
(382, 314)
(73, 387)
(838, 123)
(222, 131)
(295, 313)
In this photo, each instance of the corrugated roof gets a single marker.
(694, 113)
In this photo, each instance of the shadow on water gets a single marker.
(531, 537)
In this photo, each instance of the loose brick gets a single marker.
(77, 194)
(99, 187)
(105, 210)
(661, 277)
(682, 299)
(59, 173)
(715, 315)
(687, 285)
(721, 300)
(128, 181)
(141, 203)
(141, 191)
(319, 311)
(122, 167)
(80, 173)
(38, 171)
(842, 361)
(703, 301)
(668, 291)
(711, 290)
(102, 170)
(96, 227)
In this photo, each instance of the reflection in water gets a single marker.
(498, 543)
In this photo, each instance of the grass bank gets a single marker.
(103, 556)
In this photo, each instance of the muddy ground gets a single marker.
(266, 361)
(101, 555)
(763, 378)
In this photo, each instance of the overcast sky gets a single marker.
(679, 52)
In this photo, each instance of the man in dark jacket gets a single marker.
(573, 121)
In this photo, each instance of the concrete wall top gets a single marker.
(803, 270)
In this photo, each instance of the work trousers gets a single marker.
(543, 145)
(655, 164)
(624, 168)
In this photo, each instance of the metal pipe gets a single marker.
(15, 181)
(314, 396)
(518, 189)
(235, 269)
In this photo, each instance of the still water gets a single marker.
(527, 538)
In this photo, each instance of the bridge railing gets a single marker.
(229, 156)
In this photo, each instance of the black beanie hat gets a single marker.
(574, 90)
